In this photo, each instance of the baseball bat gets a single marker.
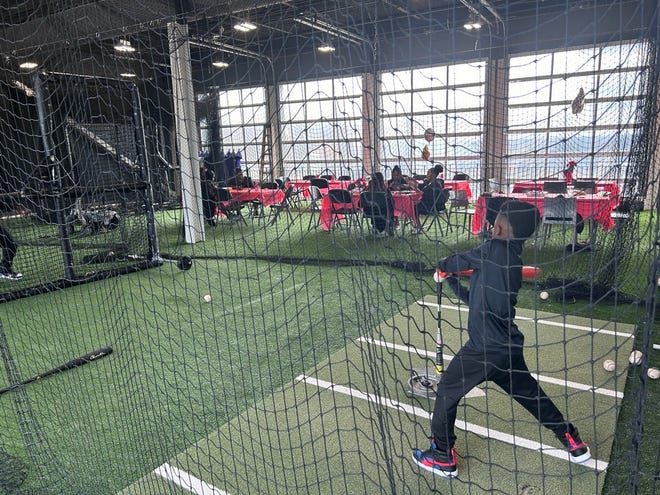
(439, 363)
(528, 273)
(74, 363)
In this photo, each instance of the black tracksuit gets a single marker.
(9, 248)
(494, 350)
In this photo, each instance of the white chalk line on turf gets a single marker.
(462, 425)
(538, 376)
(234, 309)
(187, 481)
(541, 321)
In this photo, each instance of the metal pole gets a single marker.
(143, 163)
(54, 181)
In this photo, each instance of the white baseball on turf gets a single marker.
(609, 365)
(544, 295)
(207, 298)
(653, 373)
(636, 358)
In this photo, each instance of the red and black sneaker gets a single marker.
(578, 450)
(437, 461)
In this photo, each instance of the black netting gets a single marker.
(166, 176)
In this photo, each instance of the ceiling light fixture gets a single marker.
(124, 46)
(220, 64)
(473, 24)
(127, 74)
(29, 65)
(326, 48)
(245, 27)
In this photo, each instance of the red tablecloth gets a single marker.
(404, 203)
(303, 185)
(597, 207)
(404, 207)
(266, 196)
(457, 185)
(537, 185)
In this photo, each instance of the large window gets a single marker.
(449, 99)
(243, 118)
(321, 127)
(545, 131)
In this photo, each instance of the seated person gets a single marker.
(439, 169)
(381, 214)
(239, 180)
(434, 197)
(397, 182)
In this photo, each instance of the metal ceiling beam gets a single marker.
(330, 29)
(96, 21)
(224, 47)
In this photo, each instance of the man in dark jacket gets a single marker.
(9, 249)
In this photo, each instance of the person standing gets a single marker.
(9, 249)
(209, 195)
(494, 349)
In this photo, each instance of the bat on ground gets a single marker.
(74, 363)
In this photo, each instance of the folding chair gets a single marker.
(229, 207)
(294, 198)
(587, 186)
(459, 205)
(559, 211)
(257, 205)
(438, 213)
(555, 186)
(341, 204)
(319, 182)
(315, 198)
(283, 205)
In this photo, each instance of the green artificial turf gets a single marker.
(285, 298)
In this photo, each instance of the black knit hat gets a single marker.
(523, 218)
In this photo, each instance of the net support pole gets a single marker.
(54, 180)
(143, 162)
(370, 97)
(493, 164)
(275, 144)
(186, 131)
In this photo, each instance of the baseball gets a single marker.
(207, 298)
(653, 373)
(609, 365)
(636, 357)
(438, 276)
(544, 295)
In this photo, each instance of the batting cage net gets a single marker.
(329, 247)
